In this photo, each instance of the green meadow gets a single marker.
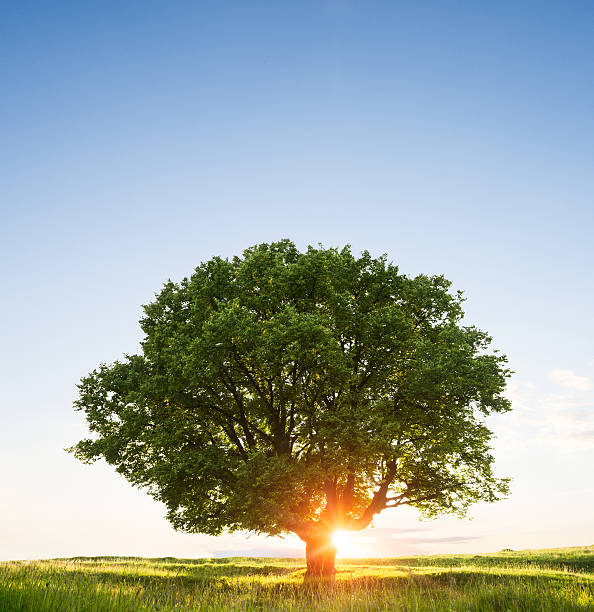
(555, 579)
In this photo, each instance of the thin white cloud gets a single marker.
(561, 420)
(566, 378)
(447, 540)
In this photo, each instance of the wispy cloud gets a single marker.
(566, 378)
(563, 420)
(445, 540)
(390, 532)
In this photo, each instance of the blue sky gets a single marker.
(140, 140)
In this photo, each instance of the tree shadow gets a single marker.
(463, 578)
(177, 560)
(186, 577)
(577, 562)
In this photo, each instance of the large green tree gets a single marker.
(299, 392)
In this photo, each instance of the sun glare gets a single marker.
(347, 547)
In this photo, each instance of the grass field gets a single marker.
(556, 579)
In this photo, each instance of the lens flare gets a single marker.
(347, 547)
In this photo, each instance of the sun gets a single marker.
(347, 547)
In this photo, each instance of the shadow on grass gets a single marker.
(577, 563)
(464, 578)
(166, 561)
(186, 577)
(215, 576)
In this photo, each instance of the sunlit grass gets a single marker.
(551, 580)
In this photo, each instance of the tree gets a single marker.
(300, 392)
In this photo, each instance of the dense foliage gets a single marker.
(287, 391)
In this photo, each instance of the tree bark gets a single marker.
(320, 554)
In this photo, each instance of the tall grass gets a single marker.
(551, 580)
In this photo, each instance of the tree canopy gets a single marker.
(287, 391)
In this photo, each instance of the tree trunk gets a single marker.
(320, 554)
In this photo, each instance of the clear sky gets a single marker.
(141, 138)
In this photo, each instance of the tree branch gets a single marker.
(231, 387)
(378, 502)
(346, 498)
(250, 376)
(232, 417)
